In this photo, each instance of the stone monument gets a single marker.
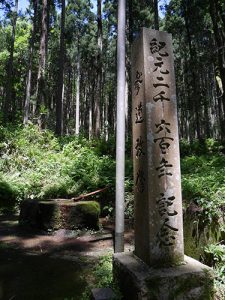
(158, 268)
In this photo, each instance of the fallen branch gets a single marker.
(82, 197)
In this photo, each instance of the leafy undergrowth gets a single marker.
(203, 183)
(102, 277)
(36, 164)
(215, 257)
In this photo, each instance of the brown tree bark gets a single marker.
(59, 95)
(8, 104)
(195, 95)
(99, 72)
(40, 86)
(156, 15)
(29, 74)
(131, 21)
(77, 129)
(220, 42)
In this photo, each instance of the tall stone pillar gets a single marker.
(157, 180)
(158, 268)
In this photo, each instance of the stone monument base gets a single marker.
(137, 281)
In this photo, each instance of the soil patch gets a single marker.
(50, 265)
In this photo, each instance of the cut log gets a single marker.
(82, 197)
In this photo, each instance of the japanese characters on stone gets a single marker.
(163, 139)
(140, 141)
(157, 186)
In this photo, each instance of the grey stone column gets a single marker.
(156, 158)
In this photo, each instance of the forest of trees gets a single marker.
(58, 64)
(58, 98)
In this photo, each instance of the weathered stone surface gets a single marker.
(158, 270)
(56, 214)
(49, 215)
(138, 281)
(157, 186)
(29, 212)
(102, 294)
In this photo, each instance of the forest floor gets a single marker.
(51, 265)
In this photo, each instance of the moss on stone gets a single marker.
(56, 214)
(29, 213)
(50, 215)
(153, 285)
(197, 236)
(197, 283)
(174, 261)
(89, 207)
(85, 214)
(185, 287)
(195, 287)
(192, 281)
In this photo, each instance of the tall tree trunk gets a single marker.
(59, 95)
(90, 120)
(77, 130)
(195, 95)
(91, 108)
(8, 113)
(99, 72)
(131, 21)
(220, 42)
(40, 86)
(68, 100)
(128, 71)
(106, 118)
(156, 15)
(219, 8)
(29, 75)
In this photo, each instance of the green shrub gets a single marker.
(7, 195)
(102, 147)
(214, 255)
(39, 165)
(129, 205)
(103, 271)
(89, 170)
(196, 147)
(203, 180)
(61, 188)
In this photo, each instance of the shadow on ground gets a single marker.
(36, 277)
(35, 265)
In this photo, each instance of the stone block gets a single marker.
(157, 186)
(102, 294)
(137, 281)
(55, 214)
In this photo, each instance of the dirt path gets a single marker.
(41, 242)
(46, 265)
